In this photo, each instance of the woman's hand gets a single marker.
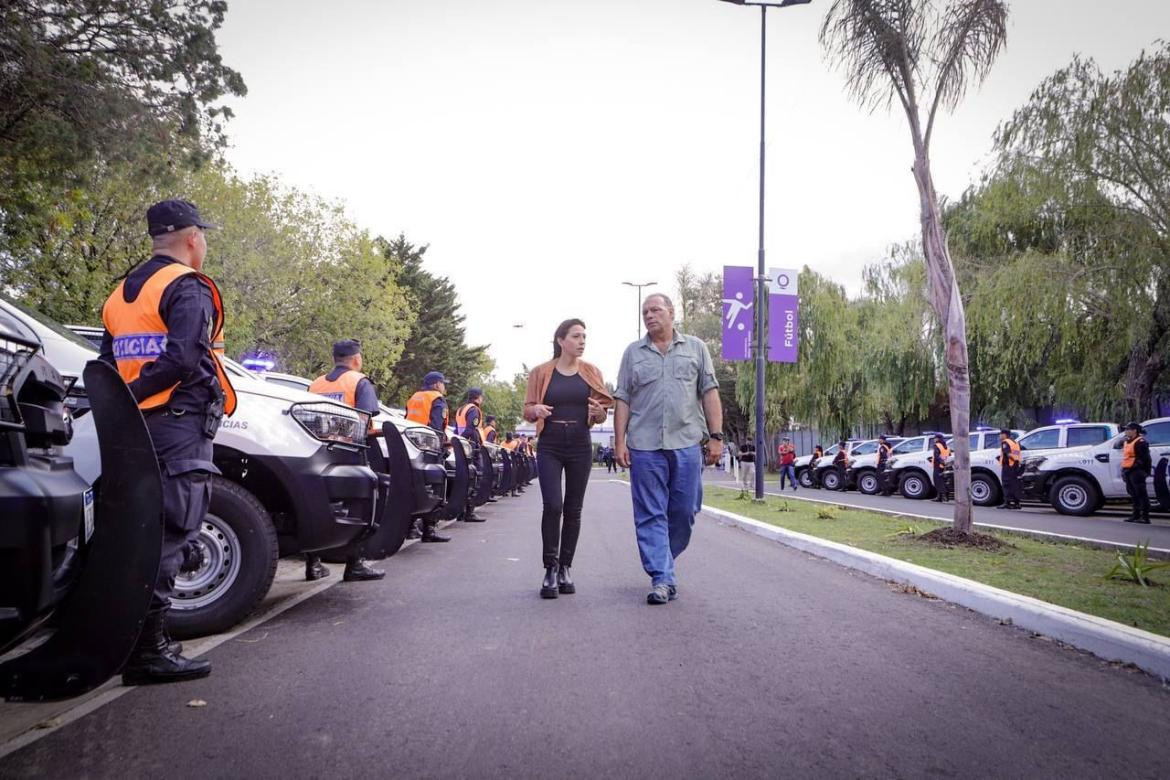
(541, 411)
(596, 411)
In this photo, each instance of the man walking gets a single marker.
(787, 462)
(667, 404)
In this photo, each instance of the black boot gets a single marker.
(548, 588)
(415, 529)
(565, 580)
(429, 533)
(1144, 517)
(357, 570)
(152, 661)
(469, 516)
(314, 569)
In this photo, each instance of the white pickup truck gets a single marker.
(1079, 481)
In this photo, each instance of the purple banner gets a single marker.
(737, 312)
(783, 315)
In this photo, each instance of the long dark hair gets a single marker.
(562, 331)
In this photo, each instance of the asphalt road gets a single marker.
(771, 664)
(1108, 525)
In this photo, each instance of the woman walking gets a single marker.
(565, 396)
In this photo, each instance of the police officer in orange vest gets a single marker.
(489, 428)
(429, 407)
(164, 334)
(938, 461)
(1009, 469)
(1136, 465)
(885, 483)
(841, 463)
(469, 425)
(348, 385)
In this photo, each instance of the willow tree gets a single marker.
(924, 54)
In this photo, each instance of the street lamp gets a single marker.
(638, 327)
(761, 276)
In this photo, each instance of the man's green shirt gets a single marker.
(665, 392)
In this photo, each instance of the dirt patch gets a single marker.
(950, 538)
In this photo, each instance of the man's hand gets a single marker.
(621, 454)
(541, 411)
(714, 451)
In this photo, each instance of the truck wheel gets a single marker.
(239, 542)
(985, 490)
(831, 480)
(1073, 495)
(867, 483)
(914, 485)
(804, 477)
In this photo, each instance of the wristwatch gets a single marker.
(715, 436)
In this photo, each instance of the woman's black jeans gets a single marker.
(564, 448)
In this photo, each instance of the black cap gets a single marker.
(940, 437)
(1133, 426)
(882, 437)
(491, 418)
(346, 348)
(1005, 432)
(167, 216)
(473, 392)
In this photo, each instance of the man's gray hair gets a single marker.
(666, 301)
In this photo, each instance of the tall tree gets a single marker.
(924, 54)
(1112, 132)
(437, 340)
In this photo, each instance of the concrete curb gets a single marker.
(1104, 638)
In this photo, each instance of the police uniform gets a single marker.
(813, 471)
(938, 461)
(351, 387)
(429, 407)
(1136, 465)
(841, 462)
(469, 424)
(883, 463)
(1009, 470)
(164, 330)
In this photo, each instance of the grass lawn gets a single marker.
(1070, 575)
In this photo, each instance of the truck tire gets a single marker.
(914, 484)
(985, 490)
(830, 479)
(867, 482)
(241, 551)
(804, 477)
(1074, 495)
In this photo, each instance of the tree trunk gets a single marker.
(944, 294)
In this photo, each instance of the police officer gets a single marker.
(164, 334)
(813, 471)
(1136, 465)
(1009, 469)
(348, 385)
(938, 461)
(469, 424)
(841, 463)
(429, 407)
(883, 466)
(489, 429)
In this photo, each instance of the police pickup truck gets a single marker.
(1080, 480)
(807, 468)
(294, 479)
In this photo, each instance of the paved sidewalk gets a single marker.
(771, 664)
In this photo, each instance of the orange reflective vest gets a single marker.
(884, 451)
(1013, 452)
(140, 333)
(418, 408)
(461, 420)
(842, 456)
(942, 452)
(343, 389)
(1129, 453)
(487, 433)
(510, 445)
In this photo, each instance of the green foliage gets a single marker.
(907, 529)
(1137, 566)
(825, 514)
(505, 400)
(436, 340)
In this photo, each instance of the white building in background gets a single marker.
(602, 433)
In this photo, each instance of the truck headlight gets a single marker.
(424, 439)
(332, 422)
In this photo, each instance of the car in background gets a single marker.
(862, 471)
(1080, 480)
(805, 468)
(65, 351)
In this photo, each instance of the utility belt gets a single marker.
(211, 418)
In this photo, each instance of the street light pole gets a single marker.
(762, 271)
(638, 326)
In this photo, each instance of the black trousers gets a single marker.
(565, 452)
(1135, 485)
(184, 458)
(1010, 478)
(883, 480)
(940, 485)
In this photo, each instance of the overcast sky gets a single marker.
(548, 150)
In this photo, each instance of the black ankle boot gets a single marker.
(565, 580)
(152, 661)
(314, 569)
(358, 570)
(429, 534)
(548, 588)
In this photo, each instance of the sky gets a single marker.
(548, 150)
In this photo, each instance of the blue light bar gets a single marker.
(258, 364)
(1066, 421)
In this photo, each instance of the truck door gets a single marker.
(1158, 435)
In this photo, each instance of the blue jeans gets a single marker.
(790, 472)
(667, 488)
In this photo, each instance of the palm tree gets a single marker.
(924, 53)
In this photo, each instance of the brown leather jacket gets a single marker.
(539, 378)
